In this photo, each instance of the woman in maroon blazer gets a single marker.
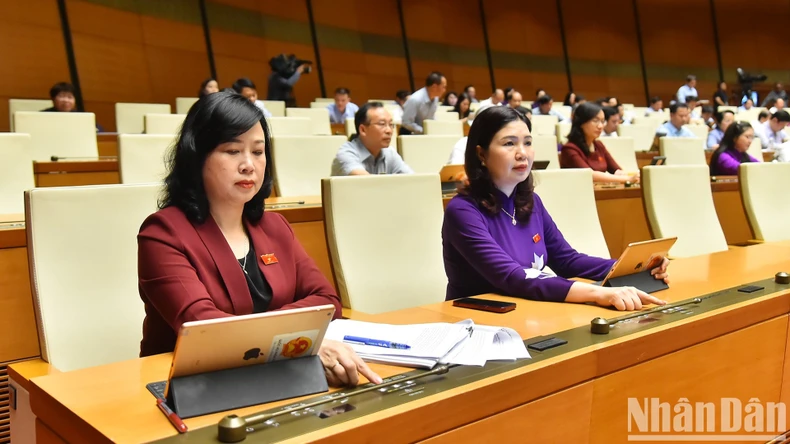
(584, 150)
(211, 251)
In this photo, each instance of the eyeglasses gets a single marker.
(598, 122)
(383, 124)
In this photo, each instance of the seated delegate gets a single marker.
(498, 237)
(732, 150)
(201, 256)
(584, 150)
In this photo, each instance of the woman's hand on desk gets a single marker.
(625, 298)
(343, 366)
(661, 272)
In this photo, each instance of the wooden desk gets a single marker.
(737, 351)
(72, 173)
(643, 158)
(108, 144)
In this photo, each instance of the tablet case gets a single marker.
(234, 388)
(643, 281)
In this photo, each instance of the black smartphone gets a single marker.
(658, 160)
(485, 305)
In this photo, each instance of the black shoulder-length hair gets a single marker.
(735, 130)
(583, 114)
(214, 119)
(481, 187)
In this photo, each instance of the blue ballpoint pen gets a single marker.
(375, 342)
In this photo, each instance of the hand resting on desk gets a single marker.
(343, 366)
(621, 298)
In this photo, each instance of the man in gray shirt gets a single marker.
(368, 150)
(423, 103)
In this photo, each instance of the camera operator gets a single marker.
(286, 71)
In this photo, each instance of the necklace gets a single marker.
(244, 265)
(512, 216)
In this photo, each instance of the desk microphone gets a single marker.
(56, 158)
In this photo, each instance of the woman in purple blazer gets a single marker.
(498, 236)
(732, 150)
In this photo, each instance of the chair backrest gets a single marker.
(763, 186)
(443, 128)
(326, 100)
(748, 115)
(682, 150)
(426, 154)
(446, 115)
(59, 134)
(184, 103)
(129, 116)
(679, 202)
(569, 197)
(300, 162)
(401, 214)
(756, 149)
(319, 119)
(701, 132)
(277, 107)
(442, 108)
(290, 126)
(643, 135)
(16, 171)
(546, 149)
(653, 120)
(622, 150)
(563, 128)
(544, 125)
(15, 105)
(565, 111)
(164, 123)
(142, 157)
(319, 104)
(82, 251)
(723, 108)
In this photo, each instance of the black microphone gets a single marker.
(56, 158)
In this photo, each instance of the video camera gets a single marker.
(286, 65)
(747, 81)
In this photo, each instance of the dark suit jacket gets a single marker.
(188, 272)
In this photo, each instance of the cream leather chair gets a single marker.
(164, 123)
(678, 202)
(756, 149)
(622, 150)
(443, 128)
(569, 197)
(643, 135)
(546, 149)
(682, 150)
(15, 105)
(544, 125)
(701, 132)
(319, 119)
(723, 108)
(59, 134)
(565, 111)
(444, 108)
(384, 238)
(653, 119)
(82, 249)
(277, 107)
(184, 103)
(748, 115)
(563, 128)
(763, 187)
(300, 162)
(325, 100)
(290, 126)
(426, 154)
(142, 157)
(129, 116)
(16, 171)
(319, 104)
(446, 115)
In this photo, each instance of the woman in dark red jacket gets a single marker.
(211, 251)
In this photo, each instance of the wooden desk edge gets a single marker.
(23, 371)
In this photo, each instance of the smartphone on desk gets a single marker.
(485, 305)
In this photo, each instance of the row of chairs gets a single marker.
(90, 312)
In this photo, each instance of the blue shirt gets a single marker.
(669, 130)
(686, 91)
(418, 108)
(714, 137)
(335, 116)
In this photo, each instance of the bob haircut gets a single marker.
(214, 119)
(734, 131)
(583, 114)
(481, 187)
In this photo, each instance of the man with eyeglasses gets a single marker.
(368, 151)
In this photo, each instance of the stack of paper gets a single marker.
(462, 343)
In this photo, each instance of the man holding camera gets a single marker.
(286, 71)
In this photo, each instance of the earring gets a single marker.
(483, 163)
